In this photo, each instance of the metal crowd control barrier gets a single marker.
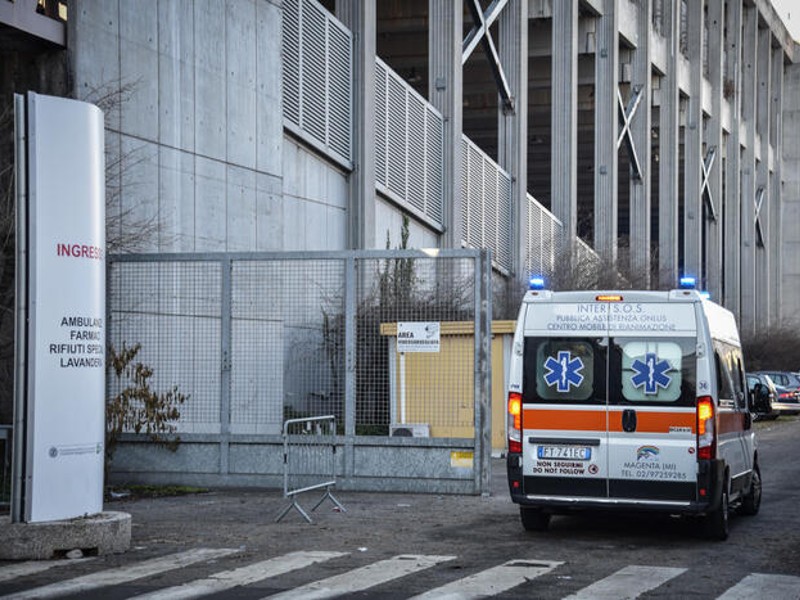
(309, 461)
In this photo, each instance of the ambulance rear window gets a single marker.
(564, 370)
(657, 370)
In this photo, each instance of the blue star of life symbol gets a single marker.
(652, 373)
(564, 371)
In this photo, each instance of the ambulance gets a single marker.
(628, 401)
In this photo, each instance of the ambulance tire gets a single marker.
(534, 519)
(717, 521)
(752, 501)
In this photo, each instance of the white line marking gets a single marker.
(364, 578)
(491, 581)
(32, 567)
(120, 575)
(759, 585)
(627, 583)
(226, 580)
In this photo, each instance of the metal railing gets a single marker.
(309, 462)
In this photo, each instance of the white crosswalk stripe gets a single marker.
(121, 575)
(757, 585)
(364, 578)
(32, 567)
(491, 581)
(628, 583)
(226, 580)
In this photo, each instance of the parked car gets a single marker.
(763, 394)
(788, 401)
(787, 384)
(785, 378)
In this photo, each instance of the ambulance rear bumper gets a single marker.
(576, 493)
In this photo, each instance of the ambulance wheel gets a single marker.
(534, 519)
(752, 501)
(717, 521)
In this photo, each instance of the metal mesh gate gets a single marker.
(257, 339)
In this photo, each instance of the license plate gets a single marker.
(564, 452)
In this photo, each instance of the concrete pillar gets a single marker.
(445, 85)
(713, 143)
(564, 106)
(692, 148)
(776, 193)
(513, 128)
(606, 119)
(668, 180)
(733, 164)
(790, 205)
(361, 18)
(762, 263)
(640, 207)
(747, 119)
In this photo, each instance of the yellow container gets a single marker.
(432, 393)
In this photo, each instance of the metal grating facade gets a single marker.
(318, 78)
(409, 141)
(486, 217)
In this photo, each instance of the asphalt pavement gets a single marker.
(245, 517)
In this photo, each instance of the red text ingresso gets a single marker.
(80, 251)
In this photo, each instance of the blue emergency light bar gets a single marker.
(688, 283)
(536, 283)
(705, 295)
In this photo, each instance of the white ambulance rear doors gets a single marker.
(609, 397)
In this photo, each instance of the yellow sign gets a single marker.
(462, 460)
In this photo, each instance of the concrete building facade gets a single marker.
(653, 137)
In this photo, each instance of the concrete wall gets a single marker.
(790, 302)
(195, 140)
(389, 218)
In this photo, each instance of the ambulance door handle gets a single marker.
(629, 420)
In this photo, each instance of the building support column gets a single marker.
(776, 193)
(640, 187)
(564, 107)
(763, 235)
(692, 149)
(712, 180)
(733, 160)
(360, 17)
(748, 187)
(669, 144)
(607, 99)
(445, 90)
(512, 128)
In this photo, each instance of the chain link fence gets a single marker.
(258, 339)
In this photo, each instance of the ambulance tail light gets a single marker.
(706, 432)
(514, 422)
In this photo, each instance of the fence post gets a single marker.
(226, 265)
(350, 304)
(483, 372)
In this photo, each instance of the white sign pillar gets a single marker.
(62, 396)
